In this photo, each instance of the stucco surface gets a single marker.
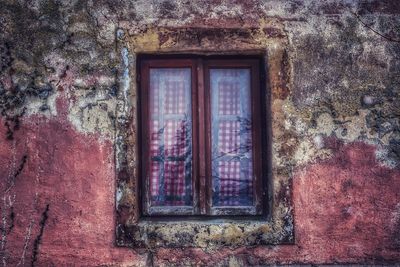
(65, 101)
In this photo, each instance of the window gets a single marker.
(148, 224)
(201, 133)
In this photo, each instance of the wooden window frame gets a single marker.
(201, 134)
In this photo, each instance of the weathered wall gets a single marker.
(339, 115)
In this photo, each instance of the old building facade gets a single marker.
(70, 158)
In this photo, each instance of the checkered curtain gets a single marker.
(232, 177)
(170, 137)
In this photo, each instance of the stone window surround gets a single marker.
(133, 231)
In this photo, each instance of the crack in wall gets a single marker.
(38, 239)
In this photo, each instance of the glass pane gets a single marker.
(170, 137)
(231, 140)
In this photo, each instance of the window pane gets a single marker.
(231, 140)
(170, 137)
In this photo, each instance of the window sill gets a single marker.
(194, 232)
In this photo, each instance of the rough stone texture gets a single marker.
(66, 107)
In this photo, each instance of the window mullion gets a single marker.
(201, 113)
(196, 159)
